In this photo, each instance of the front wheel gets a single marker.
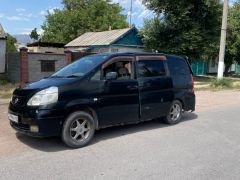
(175, 114)
(78, 129)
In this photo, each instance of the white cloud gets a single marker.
(51, 10)
(43, 13)
(1, 15)
(20, 10)
(29, 15)
(40, 31)
(17, 18)
(122, 2)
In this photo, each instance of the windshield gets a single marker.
(81, 66)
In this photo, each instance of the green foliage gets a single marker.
(233, 35)
(34, 34)
(221, 83)
(3, 82)
(78, 17)
(184, 27)
(10, 44)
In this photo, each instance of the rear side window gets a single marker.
(178, 66)
(151, 68)
(179, 70)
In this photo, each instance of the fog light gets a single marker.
(34, 129)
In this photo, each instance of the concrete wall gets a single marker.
(2, 55)
(39, 49)
(34, 64)
(13, 67)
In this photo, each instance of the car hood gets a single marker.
(34, 87)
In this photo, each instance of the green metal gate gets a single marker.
(237, 69)
(199, 67)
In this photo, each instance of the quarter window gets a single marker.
(151, 68)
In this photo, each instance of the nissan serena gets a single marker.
(103, 90)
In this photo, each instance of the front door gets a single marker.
(119, 102)
(155, 87)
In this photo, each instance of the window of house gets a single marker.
(47, 66)
(151, 68)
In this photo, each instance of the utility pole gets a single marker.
(223, 40)
(130, 23)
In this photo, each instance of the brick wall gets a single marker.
(25, 67)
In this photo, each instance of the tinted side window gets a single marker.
(151, 68)
(178, 66)
(179, 71)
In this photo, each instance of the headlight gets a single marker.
(46, 96)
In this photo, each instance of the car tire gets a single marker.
(175, 113)
(78, 129)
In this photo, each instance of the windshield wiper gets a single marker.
(56, 76)
(73, 76)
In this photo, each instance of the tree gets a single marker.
(10, 44)
(232, 54)
(78, 17)
(184, 27)
(34, 34)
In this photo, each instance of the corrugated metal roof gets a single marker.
(97, 38)
(2, 32)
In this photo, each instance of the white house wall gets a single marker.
(2, 55)
(213, 66)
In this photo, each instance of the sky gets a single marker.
(21, 16)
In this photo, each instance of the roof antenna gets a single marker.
(130, 14)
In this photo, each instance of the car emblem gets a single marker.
(15, 101)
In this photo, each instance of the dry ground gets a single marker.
(10, 142)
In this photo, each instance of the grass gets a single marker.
(211, 83)
(6, 90)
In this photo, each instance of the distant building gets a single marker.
(120, 40)
(3, 38)
(45, 47)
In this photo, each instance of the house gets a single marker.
(46, 47)
(204, 67)
(3, 38)
(119, 40)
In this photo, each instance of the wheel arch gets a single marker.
(85, 108)
(181, 101)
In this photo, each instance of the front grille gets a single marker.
(24, 127)
(19, 101)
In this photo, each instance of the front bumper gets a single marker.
(49, 122)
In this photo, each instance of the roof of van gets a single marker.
(141, 53)
(132, 53)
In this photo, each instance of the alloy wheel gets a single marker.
(80, 130)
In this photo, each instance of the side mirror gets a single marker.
(111, 76)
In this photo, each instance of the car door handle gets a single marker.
(132, 87)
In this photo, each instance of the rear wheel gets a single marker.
(175, 114)
(78, 129)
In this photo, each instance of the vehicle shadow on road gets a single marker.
(117, 131)
(54, 144)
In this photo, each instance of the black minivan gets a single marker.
(103, 90)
